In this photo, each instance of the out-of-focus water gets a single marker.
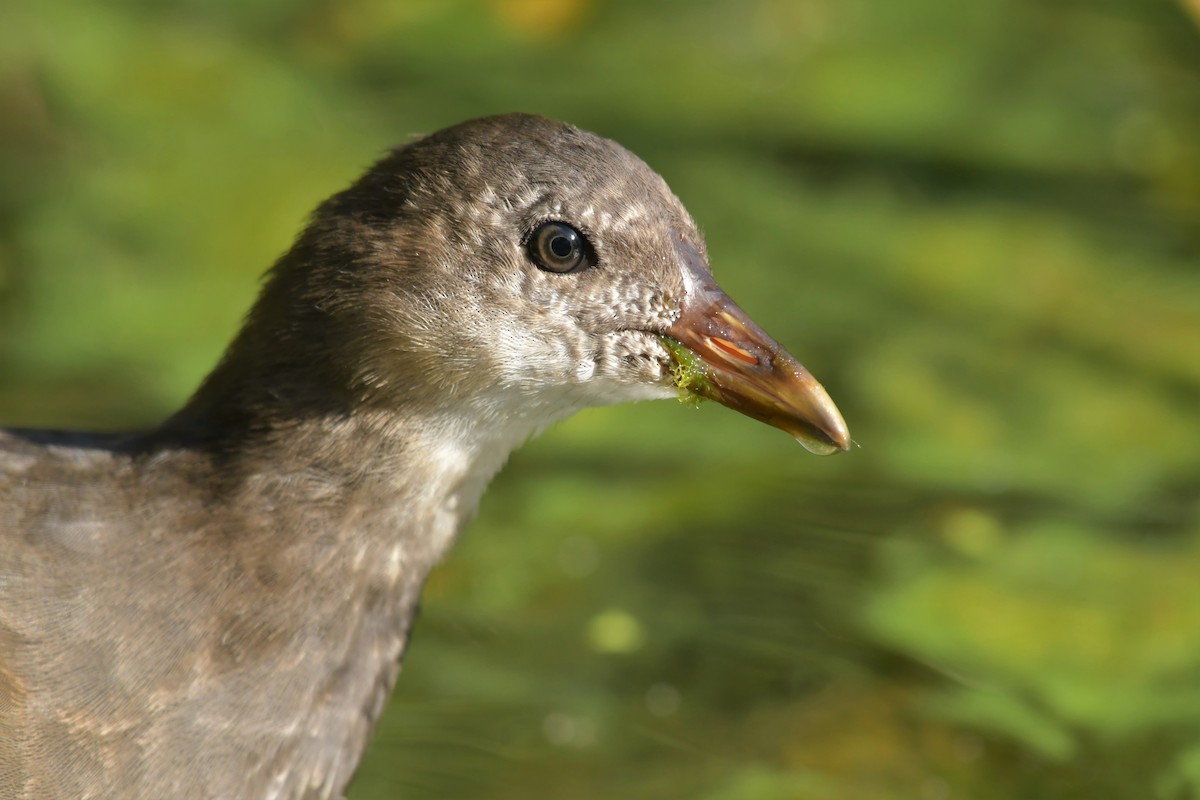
(977, 223)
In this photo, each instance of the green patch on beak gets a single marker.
(687, 371)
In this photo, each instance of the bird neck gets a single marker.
(397, 481)
(345, 515)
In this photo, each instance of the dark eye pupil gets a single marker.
(561, 246)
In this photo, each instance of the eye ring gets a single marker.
(557, 247)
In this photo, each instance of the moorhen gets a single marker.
(217, 607)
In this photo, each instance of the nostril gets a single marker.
(731, 350)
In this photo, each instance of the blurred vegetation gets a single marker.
(978, 223)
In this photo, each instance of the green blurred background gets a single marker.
(977, 222)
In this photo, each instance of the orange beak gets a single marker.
(726, 357)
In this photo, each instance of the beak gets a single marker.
(721, 354)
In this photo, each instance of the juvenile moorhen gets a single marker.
(217, 607)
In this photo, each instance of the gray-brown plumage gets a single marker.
(216, 608)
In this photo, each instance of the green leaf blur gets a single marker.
(978, 223)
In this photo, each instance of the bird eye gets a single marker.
(557, 247)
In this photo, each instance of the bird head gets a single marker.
(525, 269)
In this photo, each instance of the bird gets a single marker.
(218, 606)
